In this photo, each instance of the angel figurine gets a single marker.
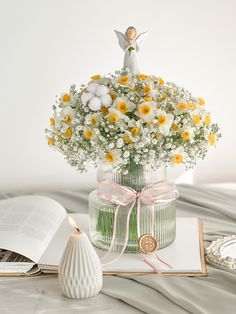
(130, 42)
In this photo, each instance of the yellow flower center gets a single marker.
(135, 131)
(59, 138)
(124, 80)
(157, 137)
(145, 109)
(201, 101)
(211, 139)
(182, 106)
(127, 139)
(113, 97)
(147, 89)
(95, 77)
(147, 98)
(161, 81)
(142, 77)
(88, 133)
(196, 119)
(104, 110)
(177, 158)
(174, 127)
(149, 122)
(50, 141)
(110, 158)
(163, 96)
(113, 117)
(68, 119)
(122, 107)
(191, 106)
(133, 89)
(207, 120)
(52, 121)
(93, 120)
(162, 120)
(68, 133)
(66, 98)
(185, 135)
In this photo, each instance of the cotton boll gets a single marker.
(101, 90)
(92, 88)
(86, 97)
(106, 100)
(95, 104)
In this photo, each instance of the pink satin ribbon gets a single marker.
(125, 198)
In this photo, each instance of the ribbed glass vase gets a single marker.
(102, 212)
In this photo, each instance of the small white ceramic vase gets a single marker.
(80, 269)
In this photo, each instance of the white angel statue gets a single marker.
(130, 42)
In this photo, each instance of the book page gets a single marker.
(28, 224)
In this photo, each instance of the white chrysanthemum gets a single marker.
(164, 121)
(146, 110)
(67, 115)
(177, 156)
(123, 105)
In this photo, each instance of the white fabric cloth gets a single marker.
(214, 294)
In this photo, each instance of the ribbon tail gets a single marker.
(122, 214)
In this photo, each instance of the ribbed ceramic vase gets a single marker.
(80, 270)
(102, 212)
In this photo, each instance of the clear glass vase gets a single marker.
(102, 212)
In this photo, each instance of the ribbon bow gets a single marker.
(125, 198)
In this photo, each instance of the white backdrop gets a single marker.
(48, 44)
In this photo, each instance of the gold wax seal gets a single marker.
(147, 244)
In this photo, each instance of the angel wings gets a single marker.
(131, 43)
(125, 43)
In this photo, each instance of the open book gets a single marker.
(34, 231)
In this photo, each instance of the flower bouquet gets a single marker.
(131, 126)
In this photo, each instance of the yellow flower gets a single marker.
(134, 131)
(191, 105)
(182, 106)
(161, 81)
(110, 158)
(68, 133)
(211, 139)
(68, 119)
(133, 88)
(207, 120)
(147, 89)
(104, 110)
(66, 98)
(113, 117)
(145, 109)
(52, 121)
(95, 77)
(50, 141)
(162, 120)
(196, 119)
(59, 138)
(124, 80)
(163, 96)
(185, 135)
(88, 133)
(201, 101)
(127, 139)
(175, 127)
(94, 120)
(147, 98)
(177, 159)
(122, 107)
(142, 77)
